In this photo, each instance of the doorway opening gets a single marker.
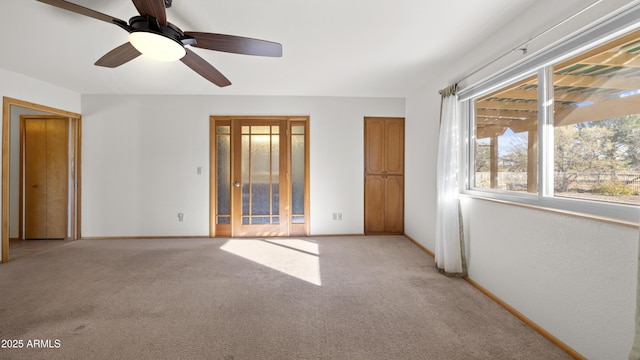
(259, 181)
(18, 197)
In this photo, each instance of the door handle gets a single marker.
(35, 186)
(236, 184)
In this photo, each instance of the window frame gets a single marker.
(542, 66)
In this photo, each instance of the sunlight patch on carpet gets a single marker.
(294, 257)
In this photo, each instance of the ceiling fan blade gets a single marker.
(118, 56)
(206, 70)
(86, 11)
(153, 8)
(235, 44)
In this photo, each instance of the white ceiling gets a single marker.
(331, 47)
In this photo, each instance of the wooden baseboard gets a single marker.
(335, 235)
(547, 335)
(422, 247)
(141, 237)
(566, 348)
(196, 237)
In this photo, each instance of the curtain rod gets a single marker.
(523, 47)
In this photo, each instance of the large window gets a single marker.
(597, 123)
(506, 138)
(565, 133)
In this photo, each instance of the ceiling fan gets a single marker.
(151, 34)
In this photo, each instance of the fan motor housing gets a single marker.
(150, 24)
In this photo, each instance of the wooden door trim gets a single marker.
(213, 163)
(7, 102)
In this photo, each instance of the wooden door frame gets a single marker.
(76, 118)
(297, 120)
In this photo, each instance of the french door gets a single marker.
(259, 176)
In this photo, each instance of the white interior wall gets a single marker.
(421, 128)
(140, 154)
(574, 277)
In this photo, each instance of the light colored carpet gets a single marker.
(309, 298)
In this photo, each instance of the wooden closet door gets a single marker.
(374, 200)
(35, 179)
(46, 147)
(374, 132)
(57, 178)
(394, 146)
(394, 204)
(384, 175)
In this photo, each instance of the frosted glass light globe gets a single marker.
(156, 46)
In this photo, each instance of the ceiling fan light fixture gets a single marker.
(152, 35)
(157, 46)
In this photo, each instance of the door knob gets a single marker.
(236, 184)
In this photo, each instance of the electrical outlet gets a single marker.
(199, 170)
(339, 216)
(334, 216)
(180, 217)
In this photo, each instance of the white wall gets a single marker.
(421, 128)
(574, 277)
(140, 154)
(20, 87)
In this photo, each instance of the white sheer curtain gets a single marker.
(450, 253)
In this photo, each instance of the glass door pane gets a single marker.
(260, 175)
(223, 174)
(297, 173)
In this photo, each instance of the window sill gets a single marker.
(621, 215)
